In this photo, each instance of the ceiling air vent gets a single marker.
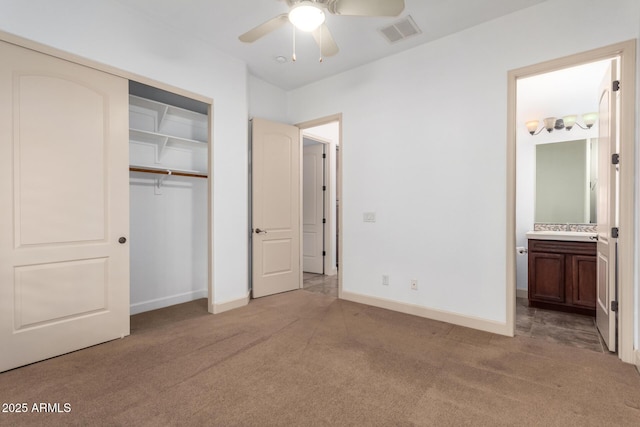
(400, 30)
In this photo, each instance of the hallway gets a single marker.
(319, 283)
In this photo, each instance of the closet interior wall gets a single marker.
(168, 155)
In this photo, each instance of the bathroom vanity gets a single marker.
(562, 271)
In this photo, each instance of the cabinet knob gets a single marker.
(122, 240)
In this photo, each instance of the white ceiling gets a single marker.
(220, 22)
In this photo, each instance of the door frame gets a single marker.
(626, 51)
(310, 124)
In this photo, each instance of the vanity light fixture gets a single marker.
(567, 122)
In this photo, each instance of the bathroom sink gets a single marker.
(572, 236)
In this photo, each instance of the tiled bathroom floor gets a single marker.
(555, 326)
(564, 328)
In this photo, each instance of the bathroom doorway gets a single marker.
(554, 179)
(521, 174)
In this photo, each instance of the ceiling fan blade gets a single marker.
(366, 7)
(325, 40)
(264, 29)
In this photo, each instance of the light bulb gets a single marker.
(549, 123)
(589, 119)
(569, 121)
(306, 16)
(532, 125)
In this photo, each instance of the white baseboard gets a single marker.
(429, 313)
(230, 305)
(522, 293)
(141, 307)
(637, 359)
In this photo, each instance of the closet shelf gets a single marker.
(160, 138)
(164, 109)
(167, 171)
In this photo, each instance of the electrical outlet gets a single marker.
(385, 280)
(414, 284)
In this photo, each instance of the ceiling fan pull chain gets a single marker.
(293, 56)
(320, 32)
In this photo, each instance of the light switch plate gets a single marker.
(369, 217)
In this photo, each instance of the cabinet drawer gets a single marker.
(562, 247)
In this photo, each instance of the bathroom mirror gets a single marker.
(566, 177)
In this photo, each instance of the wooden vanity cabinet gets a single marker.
(562, 275)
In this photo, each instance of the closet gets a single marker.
(168, 157)
(103, 216)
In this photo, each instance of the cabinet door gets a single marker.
(547, 277)
(583, 280)
(64, 191)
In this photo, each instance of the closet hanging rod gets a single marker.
(167, 172)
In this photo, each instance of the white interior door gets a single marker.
(64, 277)
(607, 203)
(275, 208)
(313, 188)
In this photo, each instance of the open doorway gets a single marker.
(557, 186)
(320, 205)
(619, 290)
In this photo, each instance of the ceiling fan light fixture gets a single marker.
(306, 16)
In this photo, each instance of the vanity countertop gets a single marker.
(572, 236)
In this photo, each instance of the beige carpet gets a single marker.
(301, 358)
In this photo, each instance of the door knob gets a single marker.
(122, 240)
(258, 231)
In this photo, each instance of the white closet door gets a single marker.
(64, 275)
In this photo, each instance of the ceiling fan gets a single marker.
(309, 16)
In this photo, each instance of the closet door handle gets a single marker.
(258, 231)
(122, 240)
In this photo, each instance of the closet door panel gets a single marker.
(53, 149)
(64, 275)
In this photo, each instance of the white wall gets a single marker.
(266, 101)
(114, 34)
(424, 146)
(168, 241)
